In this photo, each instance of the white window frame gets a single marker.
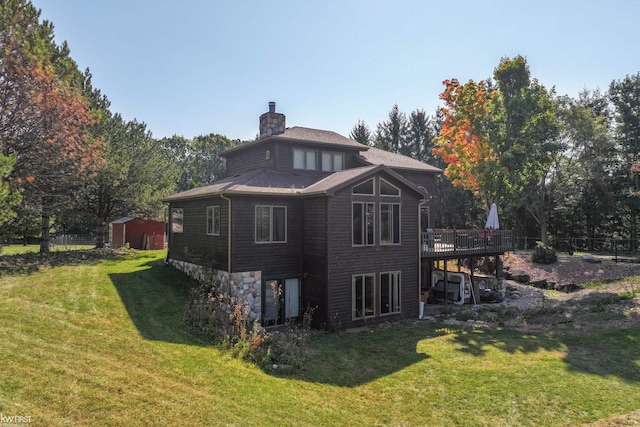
(213, 220)
(394, 291)
(382, 180)
(363, 307)
(329, 161)
(310, 164)
(364, 225)
(373, 188)
(177, 220)
(394, 240)
(270, 219)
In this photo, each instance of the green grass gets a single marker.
(23, 249)
(101, 343)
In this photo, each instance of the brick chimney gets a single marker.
(272, 123)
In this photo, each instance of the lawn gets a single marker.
(23, 249)
(100, 342)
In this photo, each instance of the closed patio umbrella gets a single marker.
(492, 220)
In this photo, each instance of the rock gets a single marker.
(591, 258)
(540, 284)
(571, 287)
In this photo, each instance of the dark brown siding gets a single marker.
(426, 180)
(194, 238)
(315, 258)
(273, 259)
(344, 260)
(249, 159)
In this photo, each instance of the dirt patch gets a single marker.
(609, 298)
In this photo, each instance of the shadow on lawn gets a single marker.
(32, 262)
(155, 297)
(351, 360)
(606, 353)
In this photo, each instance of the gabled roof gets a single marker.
(375, 156)
(122, 220)
(305, 136)
(338, 180)
(274, 183)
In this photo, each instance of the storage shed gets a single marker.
(140, 233)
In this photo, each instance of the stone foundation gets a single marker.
(245, 287)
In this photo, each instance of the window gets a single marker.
(389, 223)
(364, 188)
(363, 223)
(389, 293)
(304, 159)
(387, 189)
(281, 300)
(332, 162)
(213, 220)
(363, 296)
(271, 224)
(177, 217)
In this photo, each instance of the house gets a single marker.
(309, 218)
(139, 233)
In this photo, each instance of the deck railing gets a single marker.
(466, 242)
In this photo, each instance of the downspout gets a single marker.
(420, 246)
(228, 246)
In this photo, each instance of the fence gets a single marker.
(73, 241)
(581, 244)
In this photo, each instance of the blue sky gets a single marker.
(195, 67)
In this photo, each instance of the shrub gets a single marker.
(544, 254)
(212, 317)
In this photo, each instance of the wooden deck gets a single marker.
(443, 243)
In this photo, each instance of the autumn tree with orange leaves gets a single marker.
(43, 118)
(500, 138)
(463, 142)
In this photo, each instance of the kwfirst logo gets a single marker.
(9, 420)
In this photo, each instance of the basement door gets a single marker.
(280, 300)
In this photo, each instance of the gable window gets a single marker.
(271, 224)
(389, 223)
(213, 220)
(332, 162)
(364, 188)
(363, 296)
(363, 223)
(387, 189)
(389, 293)
(177, 217)
(304, 159)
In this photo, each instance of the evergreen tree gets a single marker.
(361, 133)
(391, 135)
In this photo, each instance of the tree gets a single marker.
(361, 133)
(463, 142)
(625, 97)
(419, 137)
(391, 135)
(500, 142)
(42, 123)
(581, 186)
(198, 160)
(9, 198)
(133, 174)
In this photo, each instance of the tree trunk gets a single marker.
(543, 230)
(634, 230)
(100, 233)
(45, 237)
